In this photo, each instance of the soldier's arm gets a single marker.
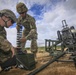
(33, 28)
(13, 51)
(32, 32)
(6, 46)
(18, 23)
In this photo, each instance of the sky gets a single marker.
(48, 14)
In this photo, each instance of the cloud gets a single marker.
(12, 35)
(52, 19)
(70, 5)
(48, 21)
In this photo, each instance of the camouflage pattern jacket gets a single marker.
(28, 23)
(3, 32)
(4, 46)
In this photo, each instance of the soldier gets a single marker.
(7, 52)
(30, 30)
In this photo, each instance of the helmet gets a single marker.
(9, 13)
(21, 7)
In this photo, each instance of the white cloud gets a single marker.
(52, 15)
(52, 19)
(70, 5)
(12, 35)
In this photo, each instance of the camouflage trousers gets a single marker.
(32, 36)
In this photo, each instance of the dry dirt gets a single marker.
(56, 68)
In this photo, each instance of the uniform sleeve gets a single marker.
(32, 34)
(5, 45)
(18, 23)
(32, 23)
(33, 30)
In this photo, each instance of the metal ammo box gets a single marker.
(27, 60)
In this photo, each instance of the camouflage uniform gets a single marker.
(5, 45)
(3, 32)
(5, 52)
(30, 30)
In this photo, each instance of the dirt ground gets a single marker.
(56, 68)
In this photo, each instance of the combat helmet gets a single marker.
(21, 7)
(9, 14)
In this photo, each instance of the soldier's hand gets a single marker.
(22, 40)
(18, 28)
(13, 51)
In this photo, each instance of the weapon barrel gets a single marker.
(45, 65)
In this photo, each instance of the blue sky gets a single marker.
(48, 15)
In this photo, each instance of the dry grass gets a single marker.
(56, 68)
(59, 69)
